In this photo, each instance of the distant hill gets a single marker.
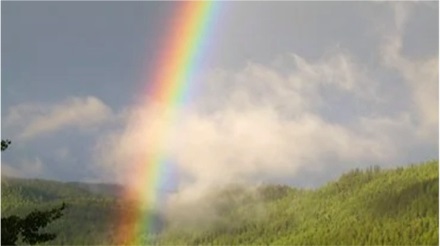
(87, 219)
(99, 188)
(395, 207)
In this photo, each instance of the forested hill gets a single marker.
(372, 206)
(87, 219)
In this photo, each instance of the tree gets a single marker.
(13, 226)
(5, 144)
(28, 227)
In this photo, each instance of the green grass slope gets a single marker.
(393, 207)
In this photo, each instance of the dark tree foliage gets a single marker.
(29, 226)
(10, 229)
(5, 144)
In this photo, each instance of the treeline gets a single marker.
(371, 206)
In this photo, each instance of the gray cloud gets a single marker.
(27, 168)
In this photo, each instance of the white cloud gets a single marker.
(294, 85)
(252, 123)
(29, 120)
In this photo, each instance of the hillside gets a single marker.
(86, 220)
(397, 207)
(373, 206)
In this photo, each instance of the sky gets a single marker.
(287, 92)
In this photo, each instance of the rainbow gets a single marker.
(170, 86)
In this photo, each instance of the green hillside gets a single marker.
(373, 206)
(87, 220)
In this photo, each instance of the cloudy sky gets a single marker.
(288, 92)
